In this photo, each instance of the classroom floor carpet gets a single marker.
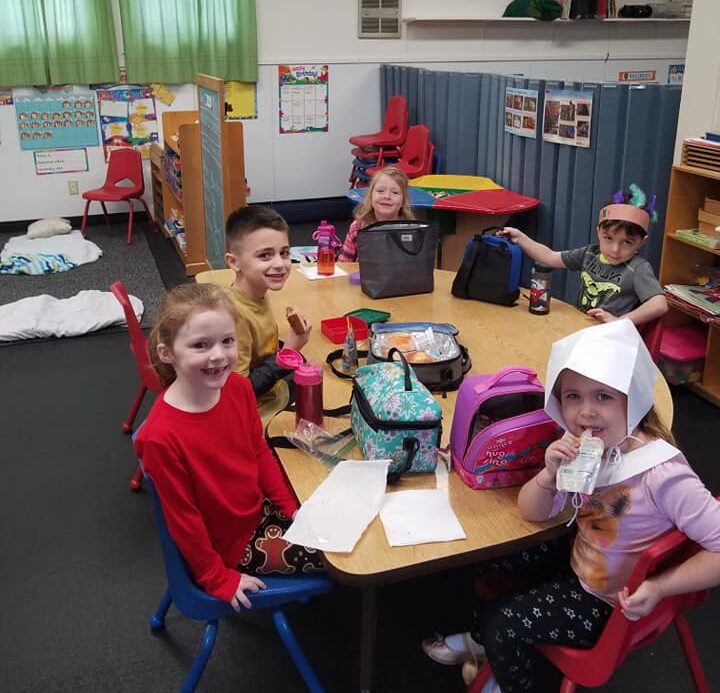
(81, 569)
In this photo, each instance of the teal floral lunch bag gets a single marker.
(394, 416)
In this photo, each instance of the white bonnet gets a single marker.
(612, 353)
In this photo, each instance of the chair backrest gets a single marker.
(126, 164)
(396, 118)
(415, 154)
(652, 334)
(620, 636)
(138, 342)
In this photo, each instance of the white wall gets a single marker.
(316, 165)
(700, 103)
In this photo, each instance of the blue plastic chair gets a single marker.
(197, 604)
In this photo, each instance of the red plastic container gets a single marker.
(335, 329)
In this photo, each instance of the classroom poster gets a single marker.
(60, 161)
(127, 119)
(566, 118)
(637, 76)
(303, 98)
(240, 100)
(56, 120)
(521, 111)
(6, 97)
(676, 73)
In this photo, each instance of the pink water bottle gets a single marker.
(327, 241)
(309, 393)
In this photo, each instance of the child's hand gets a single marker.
(298, 341)
(642, 601)
(248, 583)
(561, 452)
(601, 315)
(511, 233)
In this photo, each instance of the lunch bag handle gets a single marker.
(529, 373)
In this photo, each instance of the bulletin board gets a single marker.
(54, 121)
(303, 98)
(127, 118)
(211, 107)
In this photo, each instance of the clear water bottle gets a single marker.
(309, 393)
(540, 283)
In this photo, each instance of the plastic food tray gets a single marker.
(335, 329)
(369, 315)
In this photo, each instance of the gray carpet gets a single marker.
(133, 264)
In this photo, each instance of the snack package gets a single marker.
(580, 475)
(294, 320)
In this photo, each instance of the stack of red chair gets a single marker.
(380, 148)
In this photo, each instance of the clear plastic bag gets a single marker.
(319, 443)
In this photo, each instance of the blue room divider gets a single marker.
(632, 137)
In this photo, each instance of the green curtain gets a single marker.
(81, 41)
(172, 40)
(57, 42)
(23, 49)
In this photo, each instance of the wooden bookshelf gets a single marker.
(689, 186)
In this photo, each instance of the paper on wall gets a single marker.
(419, 517)
(341, 507)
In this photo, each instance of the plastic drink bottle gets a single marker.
(540, 289)
(326, 240)
(309, 393)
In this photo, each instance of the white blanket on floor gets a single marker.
(72, 245)
(47, 316)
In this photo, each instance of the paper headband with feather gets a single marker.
(631, 206)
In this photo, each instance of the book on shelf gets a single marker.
(695, 236)
(707, 299)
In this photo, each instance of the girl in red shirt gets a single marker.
(204, 449)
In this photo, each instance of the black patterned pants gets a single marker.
(268, 554)
(555, 611)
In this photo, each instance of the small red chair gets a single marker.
(148, 377)
(416, 155)
(593, 667)
(652, 334)
(387, 141)
(123, 181)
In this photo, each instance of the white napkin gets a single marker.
(310, 272)
(342, 506)
(419, 517)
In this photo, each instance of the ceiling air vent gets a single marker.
(379, 19)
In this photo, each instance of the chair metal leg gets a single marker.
(693, 659)
(157, 620)
(198, 666)
(298, 656)
(105, 214)
(85, 216)
(567, 686)
(136, 482)
(128, 425)
(130, 221)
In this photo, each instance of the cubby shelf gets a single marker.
(689, 186)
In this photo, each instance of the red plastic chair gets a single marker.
(387, 141)
(148, 377)
(123, 181)
(652, 334)
(593, 667)
(416, 155)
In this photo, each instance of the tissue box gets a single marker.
(682, 353)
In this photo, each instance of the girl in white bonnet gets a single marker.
(601, 380)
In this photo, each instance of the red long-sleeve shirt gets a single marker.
(211, 470)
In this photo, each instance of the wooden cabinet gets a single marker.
(689, 187)
(182, 190)
(157, 156)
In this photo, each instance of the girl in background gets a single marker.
(386, 199)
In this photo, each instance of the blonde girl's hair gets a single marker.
(177, 307)
(364, 211)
